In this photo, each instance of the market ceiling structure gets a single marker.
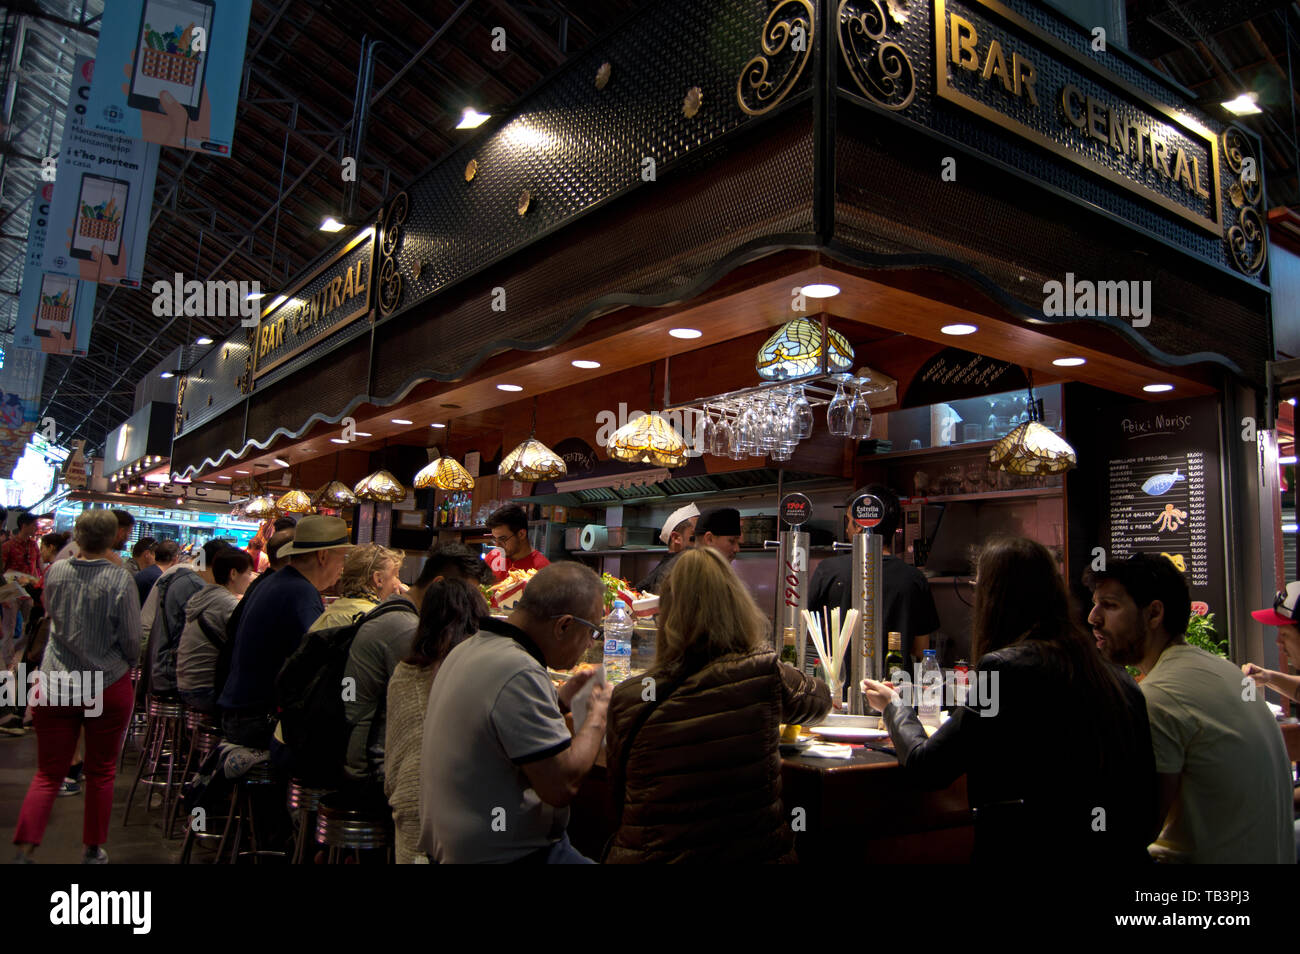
(256, 215)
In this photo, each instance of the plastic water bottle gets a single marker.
(618, 643)
(931, 689)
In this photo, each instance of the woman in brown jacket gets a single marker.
(695, 767)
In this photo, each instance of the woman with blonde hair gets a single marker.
(719, 683)
(369, 577)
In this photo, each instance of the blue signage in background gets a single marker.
(170, 72)
(54, 311)
(103, 194)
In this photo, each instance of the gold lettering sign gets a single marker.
(303, 319)
(1148, 157)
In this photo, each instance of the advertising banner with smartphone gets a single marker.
(20, 398)
(54, 311)
(103, 194)
(170, 71)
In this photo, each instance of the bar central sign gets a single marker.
(996, 64)
(337, 293)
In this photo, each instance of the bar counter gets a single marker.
(862, 809)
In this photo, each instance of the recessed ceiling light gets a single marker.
(1247, 104)
(1291, 401)
(1069, 362)
(337, 440)
(331, 224)
(241, 471)
(437, 425)
(254, 295)
(167, 374)
(222, 477)
(472, 118)
(282, 463)
(363, 434)
(509, 387)
(203, 340)
(959, 329)
(1158, 388)
(401, 420)
(820, 290)
(686, 333)
(585, 365)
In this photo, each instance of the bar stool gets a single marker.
(244, 814)
(351, 829)
(162, 742)
(203, 734)
(137, 726)
(304, 803)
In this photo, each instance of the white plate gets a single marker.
(847, 733)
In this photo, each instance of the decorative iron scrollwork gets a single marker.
(180, 403)
(245, 380)
(1247, 242)
(389, 281)
(879, 66)
(787, 35)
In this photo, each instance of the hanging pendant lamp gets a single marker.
(444, 473)
(1032, 449)
(335, 494)
(532, 460)
(796, 350)
(295, 501)
(260, 508)
(381, 486)
(648, 439)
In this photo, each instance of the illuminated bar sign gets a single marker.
(332, 296)
(998, 65)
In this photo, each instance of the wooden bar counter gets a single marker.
(862, 808)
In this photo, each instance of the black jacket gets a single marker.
(1086, 796)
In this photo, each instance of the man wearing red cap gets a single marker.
(1282, 615)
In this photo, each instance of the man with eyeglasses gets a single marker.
(509, 528)
(499, 765)
(1224, 776)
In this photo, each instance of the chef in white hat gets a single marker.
(677, 533)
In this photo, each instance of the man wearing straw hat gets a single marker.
(273, 623)
(677, 533)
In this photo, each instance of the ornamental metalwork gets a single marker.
(389, 283)
(787, 46)
(880, 67)
(1245, 235)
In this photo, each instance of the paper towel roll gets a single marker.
(594, 537)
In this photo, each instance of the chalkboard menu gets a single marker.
(953, 374)
(1163, 490)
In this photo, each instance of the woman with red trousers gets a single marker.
(94, 611)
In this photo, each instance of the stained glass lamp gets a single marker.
(335, 494)
(295, 501)
(648, 439)
(532, 460)
(796, 350)
(382, 486)
(445, 473)
(259, 508)
(1032, 449)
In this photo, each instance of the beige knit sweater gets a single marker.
(408, 697)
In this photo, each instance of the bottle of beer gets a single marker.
(789, 651)
(894, 659)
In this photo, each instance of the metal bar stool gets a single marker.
(162, 742)
(244, 813)
(304, 803)
(203, 733)
(348, 829)
(137, 726)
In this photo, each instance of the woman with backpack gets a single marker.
(206, 615)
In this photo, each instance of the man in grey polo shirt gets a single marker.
(499, 765)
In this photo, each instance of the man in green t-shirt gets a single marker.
(1225, 779)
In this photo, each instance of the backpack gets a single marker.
(309, 693)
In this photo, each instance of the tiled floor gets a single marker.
(140, 843)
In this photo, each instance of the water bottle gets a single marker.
(618, 643)
(931, 689)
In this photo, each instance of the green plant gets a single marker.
(1202, 634)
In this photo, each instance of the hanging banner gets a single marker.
(54, 311)
(20, 397)
(171, 71)
(103, 194)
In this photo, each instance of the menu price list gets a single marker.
(1158, 506)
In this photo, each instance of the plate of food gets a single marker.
(848, 733)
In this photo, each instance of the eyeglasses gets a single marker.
(596, 631)
(502, 541)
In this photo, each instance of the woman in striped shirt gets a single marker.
(84, 682)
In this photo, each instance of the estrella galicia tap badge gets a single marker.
(170, 72)
(98, 224)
